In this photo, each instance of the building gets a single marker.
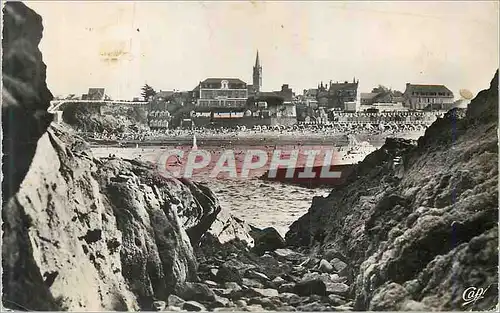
(95, 94)
(221, 93)
(286, 92)
(367, 98)
(337, 94)
(257, 74)
(429, 97)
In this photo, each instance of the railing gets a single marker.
(56, 104)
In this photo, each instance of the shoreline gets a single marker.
(376, 140)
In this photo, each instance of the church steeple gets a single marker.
(257, 74)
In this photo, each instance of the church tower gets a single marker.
(257, 74)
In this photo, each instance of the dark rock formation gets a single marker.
(417, 222)
(25, 96)
(81, 233)
(267, 239)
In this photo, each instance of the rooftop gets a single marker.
(427, 88)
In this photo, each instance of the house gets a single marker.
(286, 92)
(221, 93)
(96, 94)
(163, 95)
(337, 94)
(430, 97)
(368, 98)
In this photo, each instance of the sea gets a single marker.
(261, 203)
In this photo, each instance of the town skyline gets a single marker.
(122, 46)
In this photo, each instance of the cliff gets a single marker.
(81, 233)
(417, 222)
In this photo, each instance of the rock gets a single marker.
(335, 278)
(193, 306)
(266, 303)
(267, 292)
(290, 298)
(232, 286)
(298, 270)
(252, 283)
(325, 266)
(337, 288)
(343, 308)
(414, 306)
(314, 307)
(267, 239)
(228, 274)
(331, 253)
(336, 300)
(309, 287)
(289, 255)
(286, 308)
(221, 292)
(220, 302)
(158, 305)
(256, 275)
(390, 295)
(213, 273)
(195, 291)
(240, 303)
(210, 283)
(232, 270)
(253, 308)
(173, 309)
(278, 281)
(339, 266)
(286, 288)
(174, 300)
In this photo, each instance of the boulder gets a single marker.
(340, 267)
(286, 308)
(252, 283)
(265, 292)
(310, 286)
(159, 305)
(325, 266)
(267, 239)
(286, 288)
(195, 291)
(175, 301)
(290, 298)
(337, 288)
(193, 306)
(220, 302)
(240, 303)
(232, 286)
(314, 307)
(228, 274)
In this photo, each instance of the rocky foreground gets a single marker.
(418, 222)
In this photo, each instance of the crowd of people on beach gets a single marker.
(302, 130)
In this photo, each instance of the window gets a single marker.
(224, 84)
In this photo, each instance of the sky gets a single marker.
(176, 44)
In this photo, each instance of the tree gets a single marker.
(380, 89)
(147, 92)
